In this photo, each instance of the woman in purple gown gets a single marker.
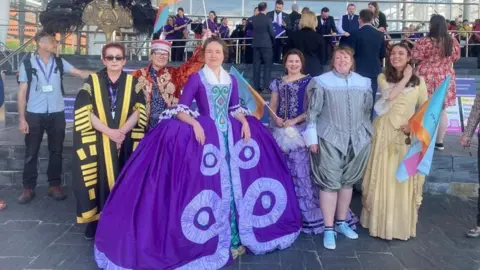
(289, 100)
(200, 185)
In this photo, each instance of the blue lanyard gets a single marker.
(43, 71)
(113, 97)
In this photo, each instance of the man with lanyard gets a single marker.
(162, 84)
(40, 109)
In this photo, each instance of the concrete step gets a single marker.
(11, 165)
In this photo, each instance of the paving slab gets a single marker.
(43, 235)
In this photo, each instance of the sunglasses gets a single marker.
(111, 58)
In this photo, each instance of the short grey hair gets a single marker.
(295, 7)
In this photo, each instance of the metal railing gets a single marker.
(142, 48)
(15, 55)
(238, 43)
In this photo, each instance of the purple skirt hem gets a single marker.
(104, 263)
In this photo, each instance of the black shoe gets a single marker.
(439, 146)
(91, 230)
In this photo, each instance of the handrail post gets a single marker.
(466, 45)
(237, 54)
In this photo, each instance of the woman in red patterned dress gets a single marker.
(436, 53)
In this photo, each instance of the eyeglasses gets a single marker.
(111, 58)
(160, 54)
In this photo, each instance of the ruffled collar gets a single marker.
(212, 78)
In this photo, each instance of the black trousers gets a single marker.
(177, 53)
(262, 55)
(327, 53)
(478, 164)
(277, 51)
(54, 125)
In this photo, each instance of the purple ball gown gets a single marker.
(171, 205)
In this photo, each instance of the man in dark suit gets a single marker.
(249, 34)
(350, 24)
(369, 46)
(326, 26)
(280, 21)
(293, 19)
(263, 38)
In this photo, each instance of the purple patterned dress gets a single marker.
(171, 205)
(292, 102)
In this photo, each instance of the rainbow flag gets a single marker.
(162, 14)
(249, 98)
(423, 124)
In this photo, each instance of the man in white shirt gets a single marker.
(280, 20)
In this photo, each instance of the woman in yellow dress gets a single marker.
(390, 208)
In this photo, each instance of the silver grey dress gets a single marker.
(338, 120)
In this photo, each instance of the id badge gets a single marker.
(113, 115)
(47, 88)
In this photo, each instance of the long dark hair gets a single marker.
(439, 34)
(214, 14)
(391, 73)
(377, 8)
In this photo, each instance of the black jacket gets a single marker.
(326, 28)
(263, 36)
(350, 26)
(382, 20)
(293, 21)
(369, 46)
(285, 16)
(311, 44)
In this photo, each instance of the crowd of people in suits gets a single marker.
(315, 36)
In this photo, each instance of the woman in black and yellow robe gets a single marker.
(110, 120)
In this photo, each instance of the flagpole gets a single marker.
(205, 13)
(270, 109)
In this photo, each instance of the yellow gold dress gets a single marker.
(390, 208)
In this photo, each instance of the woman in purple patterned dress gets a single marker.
(289, 100)
(200, 185)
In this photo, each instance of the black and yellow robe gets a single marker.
(96, 161)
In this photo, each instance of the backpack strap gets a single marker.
(59, 63)
(30, 72)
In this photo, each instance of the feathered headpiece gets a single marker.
(143, 14)
(64, 16)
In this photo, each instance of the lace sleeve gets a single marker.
(188, 95)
